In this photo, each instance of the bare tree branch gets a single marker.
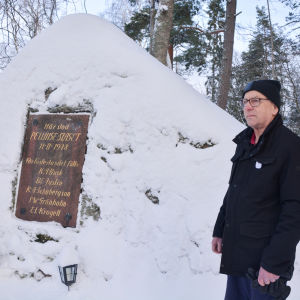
(22, 20)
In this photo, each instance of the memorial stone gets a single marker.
(51, 174)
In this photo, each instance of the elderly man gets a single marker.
(258, 226)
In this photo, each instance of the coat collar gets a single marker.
(244, 149)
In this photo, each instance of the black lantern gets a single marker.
(68, 274)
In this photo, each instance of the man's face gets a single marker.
(259, 117)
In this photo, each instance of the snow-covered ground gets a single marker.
(143, 136)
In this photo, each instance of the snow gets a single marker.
(144, 124)
(162, 7)
(68, 256)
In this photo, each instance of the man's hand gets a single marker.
(278, 289)
(265, 277)
(216, 245)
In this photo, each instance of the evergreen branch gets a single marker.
(201, 30)
(289, 23)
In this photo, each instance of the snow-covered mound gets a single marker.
(156, 168)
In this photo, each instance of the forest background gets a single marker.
(193, 37)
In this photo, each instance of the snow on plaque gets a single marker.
(51, 174)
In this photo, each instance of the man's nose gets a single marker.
(248, 106)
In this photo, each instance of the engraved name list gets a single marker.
(51, 174)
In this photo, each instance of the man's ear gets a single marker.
(275, 110)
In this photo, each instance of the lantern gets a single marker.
(68, 274)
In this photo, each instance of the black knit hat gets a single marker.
(269, 88)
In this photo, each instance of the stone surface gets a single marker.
(51, 175)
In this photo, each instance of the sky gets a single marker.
(247, 18)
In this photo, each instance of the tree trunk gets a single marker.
(272, 43)
(162, 30)
(152, 21)
(227, 53)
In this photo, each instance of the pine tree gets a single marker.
(293, 18)
(216, 14)
(160, 35)
(191, 44)
(226, 69)
(139, 26)
(256, 63)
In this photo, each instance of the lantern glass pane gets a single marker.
(70, 274)
(61, 272)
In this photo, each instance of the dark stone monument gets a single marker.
(51, 175)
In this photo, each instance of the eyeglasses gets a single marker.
(253, 101)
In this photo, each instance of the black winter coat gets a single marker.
(259, 220)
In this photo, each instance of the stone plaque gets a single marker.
(51, 173)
